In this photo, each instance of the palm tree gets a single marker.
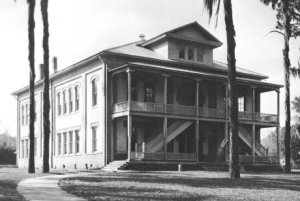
(31, 26)
(233, 104)
(284, 21)
(46, 105)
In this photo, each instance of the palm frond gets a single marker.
(209, 6)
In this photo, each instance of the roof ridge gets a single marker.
(116, 47)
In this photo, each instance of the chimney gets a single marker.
(142, 37)
(41, 71)
(54, 60)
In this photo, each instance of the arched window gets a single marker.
(64, 102)
(70, 100)
(94, 92)
(58, 104)
(77, 97)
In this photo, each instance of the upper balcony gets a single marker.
(177, 95)
(190, 111)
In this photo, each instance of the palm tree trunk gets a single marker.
(286, 63)
(46, 101)
(233, 104)
(31, 26)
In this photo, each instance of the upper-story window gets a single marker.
(27, 115)
(64, 102)
(94, 92)
(181, 51)
(70, 100)
(134, 91)
(23, 115)
(149, 92)
(58, 104)
(190, 52)
(241, 104)
(77, 97)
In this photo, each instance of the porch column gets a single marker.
(253, 102)
(226, 101)
(129, 117)
(129, 133)
(197, 139)
(197, 95)
(253, 142)
(278, 123)
(227, 137)
(165, 128)
(165, 91)
(165, 136)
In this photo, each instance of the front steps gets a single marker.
(115, 166)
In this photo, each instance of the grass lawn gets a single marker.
(189, 185)
(9, 179)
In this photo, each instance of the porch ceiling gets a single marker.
(262, 86)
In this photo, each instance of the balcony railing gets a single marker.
(150, 107)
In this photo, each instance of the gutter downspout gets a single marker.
(105, 112)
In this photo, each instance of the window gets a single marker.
(191, 54)
(149, 93)
(94, 92)
(77, 141)
(70, 142)
(94, 136)
(58, 104)
(65, 142)
(27, 151)
(200, 53)
(59, 143)
(77, 98)
(70, 100)
(23, 149)
(35, 146)
(23, 115)
(241, 104)
(181, 51)
(27, 117)
(64, 102)
(134, 91)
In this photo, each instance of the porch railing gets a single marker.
(256, 159)
(139, 106)
(181, 109)
(164, 156)
(266, 117)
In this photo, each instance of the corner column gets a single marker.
(197, 123)
(165, 128)
(226, 100)
(253, 125)
(129, 117)
(278, 123)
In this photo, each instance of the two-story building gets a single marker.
(163, 99)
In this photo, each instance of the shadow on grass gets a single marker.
(132, 193)
(8, 191)
(250, 182)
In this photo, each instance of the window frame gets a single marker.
(77, 98)
(94, 138)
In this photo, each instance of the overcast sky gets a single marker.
(80, 28)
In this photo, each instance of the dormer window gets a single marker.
(190, 53)
(181, 51)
